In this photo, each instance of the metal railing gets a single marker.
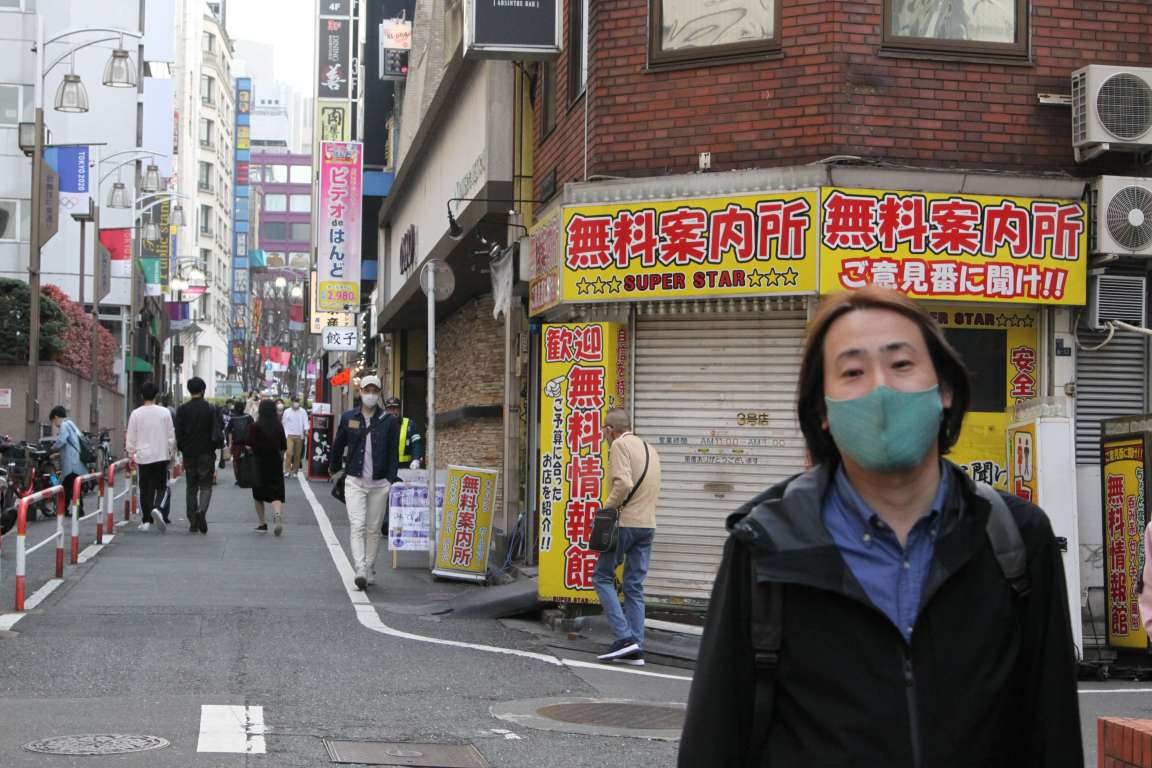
(22, 549)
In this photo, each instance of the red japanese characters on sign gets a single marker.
(1024, 380)
(940, 246)
(1118, 556)
(562, 344)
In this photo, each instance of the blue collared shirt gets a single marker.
(892, 576)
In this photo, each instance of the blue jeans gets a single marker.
(635, 549)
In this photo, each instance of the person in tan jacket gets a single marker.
(632, 464)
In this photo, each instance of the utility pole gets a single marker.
(32, 405)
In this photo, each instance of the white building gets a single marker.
(205, 114)
(281, 115)
(112, 126)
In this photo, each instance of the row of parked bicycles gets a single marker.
(26, 468)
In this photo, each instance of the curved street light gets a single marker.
(120, 72)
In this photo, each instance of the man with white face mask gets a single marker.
(366, 445)
(882, 608)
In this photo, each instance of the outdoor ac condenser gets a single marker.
(1121, 216)
(1111, 110)
(1116, 297)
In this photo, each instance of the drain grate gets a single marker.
(405, 755)
(96, 744)
(643, 717)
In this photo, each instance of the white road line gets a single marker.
(368, 617)
(1115, 690)
(233, 729)
(9, 620)
(91, 551)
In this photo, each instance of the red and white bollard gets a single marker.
(60, 512)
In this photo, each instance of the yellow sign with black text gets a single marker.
(751, 245)
(954, 247)
(464, 536)
(584, 372)
(1124, 463)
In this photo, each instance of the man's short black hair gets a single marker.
(148, 391)
(196, 385)
(295, 398)
(59, 412)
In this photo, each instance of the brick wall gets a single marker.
(1123, 743)
(830, 92)
(470, 372)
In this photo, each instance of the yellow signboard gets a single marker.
(584, 372)
(333, 120)
(954, 247)
(752, 245)
(1124, 462)
(1000, 348)
(465, 533)
(1022, 479)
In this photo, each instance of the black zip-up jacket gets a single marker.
(193, 425)
(988, 680)
(350, 437)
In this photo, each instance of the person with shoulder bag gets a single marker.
(266, 444)
(630, 509)
(365, 447)
(237, 433)
(882, 608)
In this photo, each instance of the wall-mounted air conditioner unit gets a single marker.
(1121, 216)
(1111, 110)
(1116, 297)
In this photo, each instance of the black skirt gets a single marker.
(271, 487)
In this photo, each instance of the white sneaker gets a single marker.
(145, 527)
(158, 521)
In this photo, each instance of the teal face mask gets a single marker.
(886, 429)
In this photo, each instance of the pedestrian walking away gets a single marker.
(236, 435)
(633, 489)
(411, 444)
(267, 441)
(197, 427)
(252, 407)
(365, 448)
(882, 609)
(295, 421)
(151, 443)
(67, 444)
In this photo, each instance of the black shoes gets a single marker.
(262, 527)
(620, 649)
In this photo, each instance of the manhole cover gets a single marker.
(643, 717)
(96, 744)
(402, 754)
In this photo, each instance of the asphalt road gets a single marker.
(139, 639)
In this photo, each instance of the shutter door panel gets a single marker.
(1110, 382)
(695, 374)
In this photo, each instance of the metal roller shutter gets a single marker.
(1110, 382)
(715, 394)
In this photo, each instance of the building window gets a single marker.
(276, 203)
(11, 5)
(686, 30)
(276, 174)
(207, 133)
(209, 42)
(300, 174)
(547, 97)
(577, 48)
(273, 230)
(205, 219)
(14, 219)
(204, 182)
(255, 174)
(301, 231)
(207, 90)
(301, 204)
(11, 104)
(987, 27)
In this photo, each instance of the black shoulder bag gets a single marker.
(606, 526)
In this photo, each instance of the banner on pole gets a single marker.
(465, 531)
(338, 226)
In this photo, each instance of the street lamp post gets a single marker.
(69, 98)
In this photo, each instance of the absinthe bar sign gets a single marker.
(506, 29)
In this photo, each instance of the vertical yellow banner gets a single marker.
(465, 534)
(1022, 462)
(1124, 461)
(584, 372)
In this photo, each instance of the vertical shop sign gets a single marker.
(583, 374)
(338, 226)
(332, 123)
(544, 261)
(160, 249)
(1022, 462)
(464, 538)
(333, 58)
(1124, 467)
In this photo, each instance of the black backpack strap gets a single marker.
(1007, 544)
(767, 625)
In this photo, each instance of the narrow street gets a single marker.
(156, 627)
